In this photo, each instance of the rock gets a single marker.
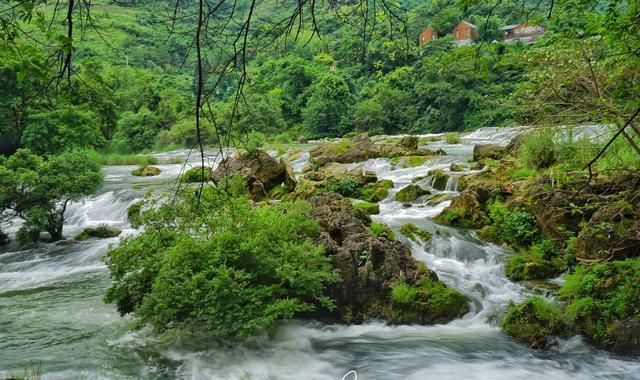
(625, 336)
(44, 237)
(260, 171)
(437, 199)
(357, 149)
(456, 167)
(414, 233)
(4, 238)
(146, 171)
(302, 140)
(289, 175)
(195, 174)
(376, 192)
(102, 231)
(367, 207)
(613, 232)
(315, 176)
(439, 181)
(465, 211)
(494, 152)
(533, 322)
(409, 142)
(410, 193)
(440, 152)
(373, 269)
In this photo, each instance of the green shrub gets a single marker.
(534, 321)
(120, 159)
(538, 150)
(345, 186)
(236, 269)
(516, 227)
(537, 263)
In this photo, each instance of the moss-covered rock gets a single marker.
(426, 302)
(410, 193)
(409, 142)
(376, 192)
(195, 174)
(411, 161)
(465, 211)
(414, 233)
(381, 230)
(456, 167)
(482, 151)
(368, 207)
(604, 304)
(102, 231)
(146, 171)
(439, 179)
(534, 321)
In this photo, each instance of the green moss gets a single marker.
(195, 175)
(543, 260)
(452, 138)
(534, 321)
(601, 298)
(278, 192)
(410, 193)
(381, 230)
(412, 231)
(376, 192)
(346, 186)
(440, 179)
(146, 171)
(101, 231)
(456, 168)
(516, 227)
(430, 299)
(458, 217)
(411, 161)
(368, 207)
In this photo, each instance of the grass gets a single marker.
(452, 138)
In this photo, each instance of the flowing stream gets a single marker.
(53, 320)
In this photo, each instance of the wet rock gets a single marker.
(410, 193)
(302, 140)
(409, 142)
(533, 322)
(414, 233)
(357, 149)
(439, 181)
(146, 171)
(456, 167)
(102, 232)
(44, 237)
(367, 207)
(289, 175)
(465, 211)
(134, 214)
(260, 171)
(482, 151)
(372, 267)
(625, 336)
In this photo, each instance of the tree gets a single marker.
(136, 131)
(231, 266)
(328, 106)
(39, 190)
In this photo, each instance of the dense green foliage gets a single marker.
(601, 295)
(38, 190)
(235, 268)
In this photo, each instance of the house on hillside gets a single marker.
(465, 33)
(427, 35)
(524, 32)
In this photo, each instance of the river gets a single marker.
(53, 320)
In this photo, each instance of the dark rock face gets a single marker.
(626, 336)
(369, 267)
(494, 152)
(260, 171)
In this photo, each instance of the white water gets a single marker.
(53, 318)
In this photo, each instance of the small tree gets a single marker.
(39, 190)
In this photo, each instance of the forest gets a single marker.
(197, 180)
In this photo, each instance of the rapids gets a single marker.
(53, 320)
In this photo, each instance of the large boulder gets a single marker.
(465, 211)
(379, 279)
(146, 171)
(482, 151)
(102, 231)
(260, 171)
(357, 149)
(409, 142)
